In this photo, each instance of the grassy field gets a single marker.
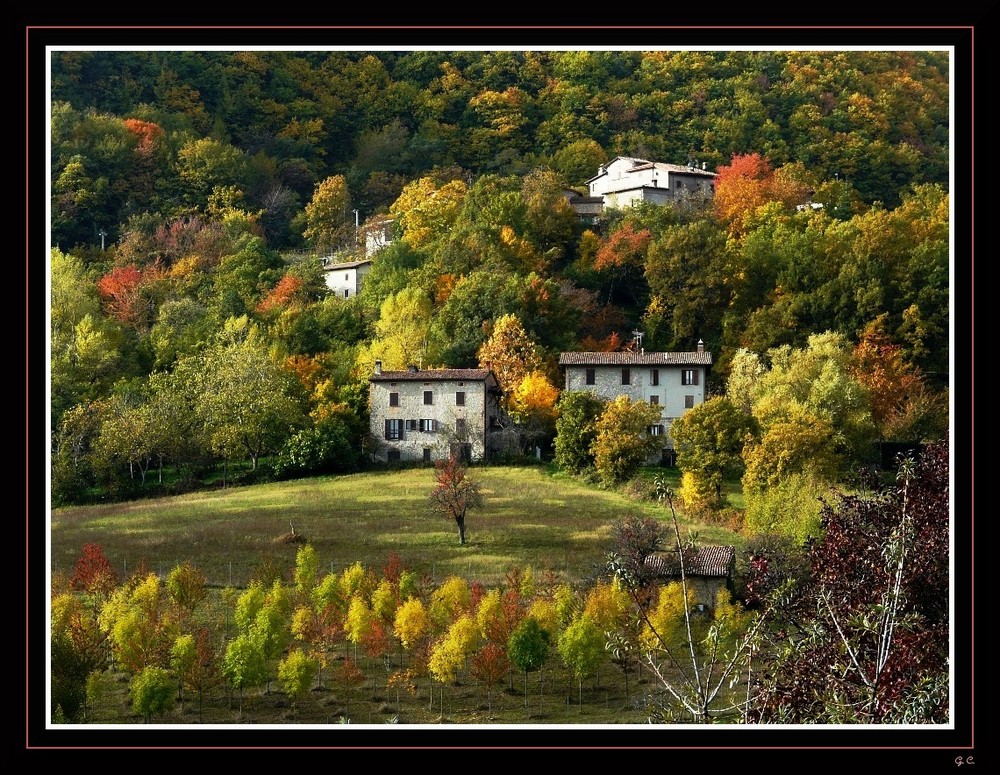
(534, 518)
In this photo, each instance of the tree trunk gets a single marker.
(461, 530)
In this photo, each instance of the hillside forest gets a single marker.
(194, 194)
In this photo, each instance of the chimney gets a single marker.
(701, 346)
(704, 165)
(413, 369)
(378, 367)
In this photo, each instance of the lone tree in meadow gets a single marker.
(455, 493)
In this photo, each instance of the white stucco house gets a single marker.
(674, 381)
(346, 277)
(428, 415)
(625, 181)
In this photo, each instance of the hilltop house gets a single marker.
(428, 415)
(345, 278)
(673, 381)
(625, 180)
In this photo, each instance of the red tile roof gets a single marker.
(635, 359)
(708, 561)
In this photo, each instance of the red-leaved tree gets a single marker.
(455, 493)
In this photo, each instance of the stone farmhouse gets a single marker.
(428, 415)
(708, 570)
(345, 278)
(625, 181)
(674, 381)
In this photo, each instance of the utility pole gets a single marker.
(103, 235)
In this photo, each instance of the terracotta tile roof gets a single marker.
(708, 561)
(431, 375)
(635, 359)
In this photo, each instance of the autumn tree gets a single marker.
(693, 659)
(326, 221)
(581, 646)
(488, 666)
(426, 209)
(400, 333)
(455, 493)
(622, 441)
(865, 638)
(296, 673)
(247, 401)
(510, 354)
(194, 659)
(748, 182)
(904, 407)
(152, 692)
(576, 430)
(709, 441)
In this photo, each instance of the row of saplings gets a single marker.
(851, 628)
(176, 643)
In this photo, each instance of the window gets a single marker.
(428, 426)
(393, 430)
(411, 425)
(689, 376)
(427, 454)
(394, 399)
(347, 293)
(393, 456)
(654, 377)
(655, 430)
(591, 376)
(626, 376)
(347, 277)
(428, 397)
(654, 400)
(460, 427)
(459, 398)
(689, 402)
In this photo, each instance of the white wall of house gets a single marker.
(428, 431)
(345, 280)
(674, 387)
(626, 181)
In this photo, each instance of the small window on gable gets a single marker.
(428, 397)
(591, 376)
(347, 276)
